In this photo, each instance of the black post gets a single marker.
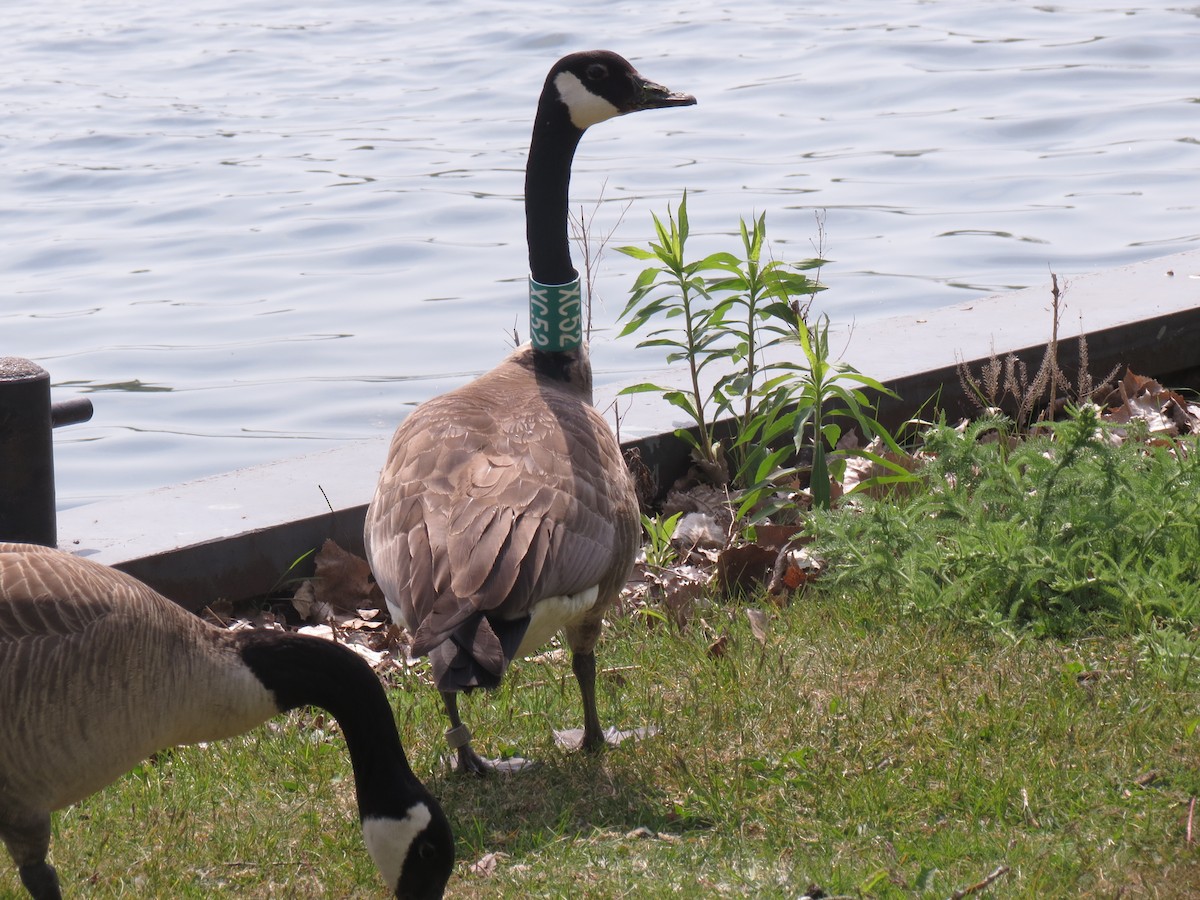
(26, 454)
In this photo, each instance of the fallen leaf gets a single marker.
(321, 631)
(743, 568)
(794, 567)
(719, 647)
(699, 530)
(794, 576)
(1146, 778)
(775, 537)
(486, 865)
(341, 585)
(572, 738)
(758, 625)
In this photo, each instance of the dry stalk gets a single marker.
(999, 872)
(1006, 382)
(582, 229)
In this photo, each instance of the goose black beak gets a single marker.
(655, 96)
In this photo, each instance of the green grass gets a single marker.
(866, 752)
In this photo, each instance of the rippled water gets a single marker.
(253, 230)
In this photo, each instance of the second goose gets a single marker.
(98, 671)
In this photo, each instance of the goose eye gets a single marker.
(597, 72)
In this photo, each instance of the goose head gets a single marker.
(581, 90)
(415, 854)
(595, 85)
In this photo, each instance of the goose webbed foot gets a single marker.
(593, 737)
(466, 761)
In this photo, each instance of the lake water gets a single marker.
(253, 230)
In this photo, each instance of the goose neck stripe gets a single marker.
(554, 316)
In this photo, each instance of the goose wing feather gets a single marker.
(487, 505)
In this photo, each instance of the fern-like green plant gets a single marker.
(1062, 532)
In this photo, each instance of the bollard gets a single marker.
(27, 512)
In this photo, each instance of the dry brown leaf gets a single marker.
(341, 586)
(486, 865)
(679, 591)
(745, 567)
(794, 568)
(308, 607)
(1164, 411)
(572, 738)
(701, 498)
(698, 530)
(758, 625)
(344, 579)
(794, 576)
(719, 647)
(776, 537)
(1145, 407)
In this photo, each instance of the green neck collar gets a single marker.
(555, 321)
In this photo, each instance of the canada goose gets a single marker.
(98, 671)
(504, 512)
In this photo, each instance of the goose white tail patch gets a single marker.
(584, 107)
(388, 840)
(552, 614)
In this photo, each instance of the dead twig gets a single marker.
(1052, 347)
(582, 230)
(979, 886)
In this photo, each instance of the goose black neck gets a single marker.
(547, 186)
(306, 671)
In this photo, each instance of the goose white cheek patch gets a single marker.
(388, 840)
(585, 108)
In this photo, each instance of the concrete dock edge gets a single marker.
(234, 535)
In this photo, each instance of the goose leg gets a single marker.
(458, 736)
(41, 881)
(584, 667)
(28, 841)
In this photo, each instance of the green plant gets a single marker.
(720, 307)
(288, 579)
(826, 391)
(1062, 532)
(660, 553)
(762, 305)
(692, 340)
(750, 314)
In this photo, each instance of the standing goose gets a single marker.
(98, 671)
(504, 512)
